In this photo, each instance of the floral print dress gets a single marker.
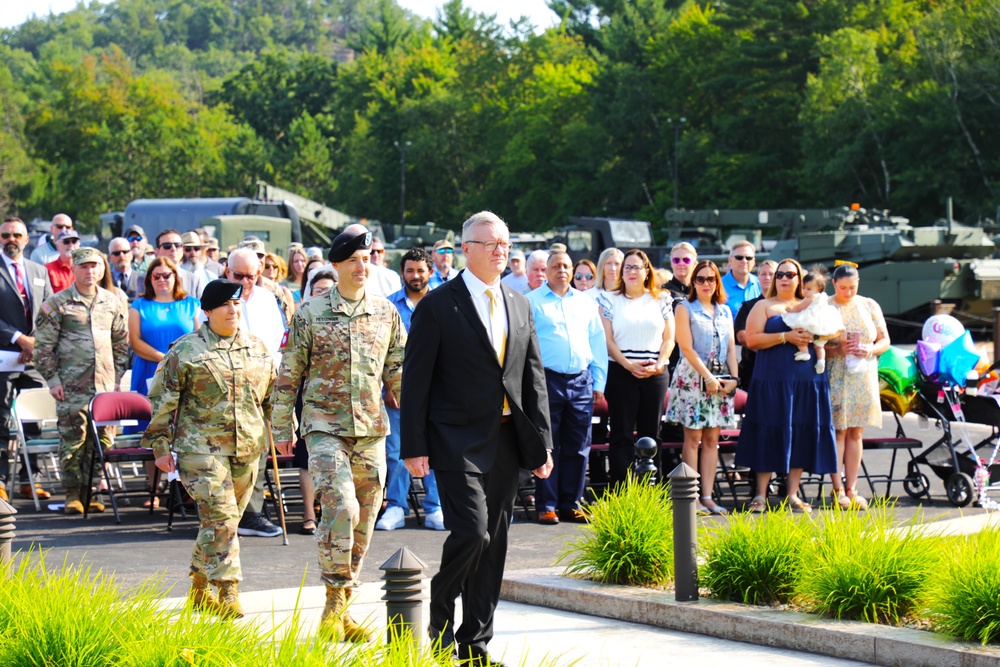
(688, 405)
(854, 396)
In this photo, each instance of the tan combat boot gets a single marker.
(201, 596)
(73, 503)
(95, 505)
(229, 606)
(331, 624)
(354, 631)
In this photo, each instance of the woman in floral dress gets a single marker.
(700, 401)
(853, 371)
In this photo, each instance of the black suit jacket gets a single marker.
(453, 385)
(11, 309)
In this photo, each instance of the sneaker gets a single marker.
(434, 520)
(392, 518)
(820, 366)
(257, 525)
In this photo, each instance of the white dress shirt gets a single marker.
(482, 302)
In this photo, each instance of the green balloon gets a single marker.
(898, 368)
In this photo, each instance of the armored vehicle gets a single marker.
(587, 238)
(905, 268)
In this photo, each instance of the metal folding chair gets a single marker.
(118, 408)
(34, 406)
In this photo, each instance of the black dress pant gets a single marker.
(635, 407)
(477, 510)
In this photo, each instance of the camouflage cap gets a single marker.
(219, 292)
(347, 243)
(87, 256)
(253, 244)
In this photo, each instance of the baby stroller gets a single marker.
(956, 460)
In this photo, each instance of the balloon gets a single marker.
(900, 403)
(942, 329)
(898, 368)
(957, 359)
(927, 358)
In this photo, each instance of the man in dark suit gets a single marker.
(24, 286)
(474, 408)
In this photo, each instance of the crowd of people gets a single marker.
(349, 362)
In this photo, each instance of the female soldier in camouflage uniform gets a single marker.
(211, 406)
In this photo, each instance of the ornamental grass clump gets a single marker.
(755, 559)
(964, 597)
(863, 567)
(628, 539)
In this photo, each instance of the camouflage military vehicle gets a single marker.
(905, 268)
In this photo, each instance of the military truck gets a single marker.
(905, 268)
(587, 238)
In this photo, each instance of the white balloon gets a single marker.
(942, 329)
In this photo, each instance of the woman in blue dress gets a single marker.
(788, 424)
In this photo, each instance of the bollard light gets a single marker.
(646, 449)
(404, 595)
(684, 493)
(7, 525)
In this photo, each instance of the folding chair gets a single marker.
(118, 408)
(35, 406)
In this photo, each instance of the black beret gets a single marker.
(347, 243)
(218, 292)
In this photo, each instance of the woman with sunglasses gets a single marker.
(639, 326)
(274, 269)
(788, 423)
(584, 274)
(703, 384)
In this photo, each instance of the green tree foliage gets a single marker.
(805, 103)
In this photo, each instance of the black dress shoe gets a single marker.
(573, 516)
(443, 645)
(470, 656)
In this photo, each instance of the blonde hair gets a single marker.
(601, 261)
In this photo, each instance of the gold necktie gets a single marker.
(498, 336)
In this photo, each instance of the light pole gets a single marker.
(681, 122)
(401, 147)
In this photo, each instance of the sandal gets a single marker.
(856, 501)
(716, 509)
(155, 502)
(796, 504)
(841, 500)
(757, 505)
(308, 527)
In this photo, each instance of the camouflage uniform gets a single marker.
(218, 389)
(342, 355)
(81, 344)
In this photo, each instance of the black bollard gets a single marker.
(7, 525)
(645, 459)
(404, 595)
(684, 493)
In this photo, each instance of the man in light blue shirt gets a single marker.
(443, 255)
(740, 284)
(416, 268)
(575, 356)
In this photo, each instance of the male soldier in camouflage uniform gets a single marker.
(211, 404)
(81, 348)
(343, 346)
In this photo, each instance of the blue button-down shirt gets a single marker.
(736, 294)
(570, 333)
(403, 305)
(436, 279)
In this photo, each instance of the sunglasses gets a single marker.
(71, 241)
(244, 276)
(380, 251)
(704, 280)
(191, 248)
(445, 251)
(169, 245)
(119, 253)
(583, 276)
(748, 258)
(680, 260)
(161, 276)
(133, 239)
(781, 275)
(11, 235)
(64, 226)
(270, 267)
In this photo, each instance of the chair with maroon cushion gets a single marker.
(116, 409)
(597, 463)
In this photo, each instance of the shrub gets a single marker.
(860, 566)
(755, 559)
(964, 596)
(629, 538)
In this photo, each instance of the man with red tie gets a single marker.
(24, 286)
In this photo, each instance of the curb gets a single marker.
(866, 642)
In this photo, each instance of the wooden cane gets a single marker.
(277, 482)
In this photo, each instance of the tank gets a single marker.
(907, 269)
